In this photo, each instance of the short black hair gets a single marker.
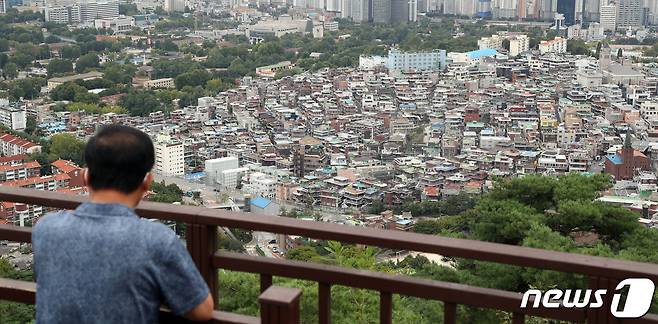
(118, 157)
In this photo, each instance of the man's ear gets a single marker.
(85, 177)
(146, 185)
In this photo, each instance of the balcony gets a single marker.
(276, 301)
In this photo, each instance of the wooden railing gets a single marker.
(202, 227)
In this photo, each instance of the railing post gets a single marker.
(265, 282)
(602, 315)
(202, 244)
(449, 313)
(279, 305)
(324, 302)
(385, 307)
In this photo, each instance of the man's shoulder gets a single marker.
(157, 231)
(50, 220)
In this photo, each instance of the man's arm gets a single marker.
(203, 311)
(181, 285)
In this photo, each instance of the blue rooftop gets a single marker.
(473, 55)
(616, 159)
(261, 202)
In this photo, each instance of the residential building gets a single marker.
(10, 172)
(164, 83)
(215, 167)
(174, 5)
(14, 145)
(169, 158)
(308, 155)
(359, 10)
(119, 24)
(12, 117)
(629, 14)
(381, 11)
(518, 43)
(261, 185)
(416, 61)
(557, 45)
(608, 17)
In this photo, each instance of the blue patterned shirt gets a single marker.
(101, 263)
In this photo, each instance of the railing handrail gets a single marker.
(453, 247)
(25, 292)
(408, 286)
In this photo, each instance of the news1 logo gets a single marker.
(638, 298)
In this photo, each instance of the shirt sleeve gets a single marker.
(181, 285)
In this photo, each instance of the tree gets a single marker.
(28, 88)
(87, 61)
(192, 79)
(620, 53)
(67, 91)
(70, 52)
(502, 221)
(166, 45)
(577, 47)
(52, 39)
(68, 147)
(10, 71)
(59, 66)
(140, 102)
(117, 73)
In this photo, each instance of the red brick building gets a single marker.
(626, 161)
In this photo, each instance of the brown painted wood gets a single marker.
(280, 305)
(484, 251)
(449, 313)
(385, 307)
(324, 302)
(265, 282)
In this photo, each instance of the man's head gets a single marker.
(119, 159)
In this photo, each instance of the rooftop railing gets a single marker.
(280, 305)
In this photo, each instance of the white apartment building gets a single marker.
(649, 110)
(59, 15)
(608, 18)
(13, 118)
(261, 185)
(231, 178)
(13, 145)
(80, 12)
(169, 158)
(174, 5)
(215, 167)
(557, 45)
(417, 61)
(90, 11)
(119, 24)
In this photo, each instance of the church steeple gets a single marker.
(627, 141)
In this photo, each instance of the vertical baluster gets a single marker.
(449, 313)
(202, 244)
(592, 313)
(324, 300)
(265, 282)
(518, 318)
(385, 307)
